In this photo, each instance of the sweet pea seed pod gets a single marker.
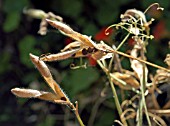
(66, 30)
(61, 26)
(45, 72)
(41, 66)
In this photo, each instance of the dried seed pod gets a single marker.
(59, 56)
(45, 72)
(41, 66)
(61, 26)
(30, 93)
(66, 30)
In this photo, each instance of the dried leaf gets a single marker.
(124, 81)
(167, 60)
(134, 15)
(162, 76)
(136, 65)
(83, 43)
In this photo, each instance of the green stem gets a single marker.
(79, 119)
(120, 45)
(140, 114)
(143, 85)
(75, 110)
(123, 41)
(143, 82)
(119, 109)
(115, 95)
(143, 88)
(116, 99)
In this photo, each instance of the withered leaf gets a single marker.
(127, 82)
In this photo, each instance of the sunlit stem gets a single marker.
(143, 61)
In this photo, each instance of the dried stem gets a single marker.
(143, 61)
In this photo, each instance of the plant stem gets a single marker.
(110, 64)
(75, 110)
(119, 109)
(143, 61)
(143, 87)
(79, 119)
(140, 114)
(123, 41)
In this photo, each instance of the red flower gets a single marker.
(131, 42)
(101, 35)
(92, 62)
(68, 41)
(159, 30)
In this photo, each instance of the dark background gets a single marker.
(19, 37)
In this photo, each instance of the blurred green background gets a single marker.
(19, 37)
